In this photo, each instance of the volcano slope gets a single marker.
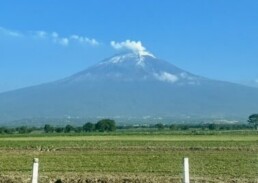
(130, 86)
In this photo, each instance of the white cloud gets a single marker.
(41, 34)
(186, 76)
(54, 36)
(86, 40)
(76, 37)
(10, 32)
(59, 40)
(256, 81)
(92, 41)
(135, 46)
(64, 41)
(165, 76)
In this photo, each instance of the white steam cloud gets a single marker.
(134, 46)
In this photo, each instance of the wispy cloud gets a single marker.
(135, 46)
(59, 40)
(82, 39)
(65, 41)
(10, 32)
(41, 34)
(53, 36)
(165, 76)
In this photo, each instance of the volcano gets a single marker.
(130, 85)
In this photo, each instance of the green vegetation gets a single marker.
(253, 120)
(144, 157)
(107, 125)
(105, 152)
(104, 125)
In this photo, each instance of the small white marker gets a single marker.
(35, 170)
(186, 170)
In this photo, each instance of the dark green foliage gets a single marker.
(78, 129)
(253, 120)
(58, 181)
(5, 130)
(88, 127)
(24, 129)
(108, 125)
(68, 128)
(172, 127)
(105, 125)
(212, 126)
(59, 129)
(185, 127)
(159, 126)
(48, 128)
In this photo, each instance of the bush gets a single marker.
(88, 127)
(159, 126)
(48, 128)
(106, 125)
(68, 128)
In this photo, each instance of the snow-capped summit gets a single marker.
(131, 56)
(132, 66)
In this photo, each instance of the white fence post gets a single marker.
(186, 171)
(35, 170)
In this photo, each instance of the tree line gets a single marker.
(104, 125)
(108, 125)
(184, 127)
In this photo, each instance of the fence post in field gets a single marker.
(186, 171)
(35, 170)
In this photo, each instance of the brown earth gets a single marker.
(112, 179)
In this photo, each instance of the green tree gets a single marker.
(253, 120)
(68, 128)
(48, 128)
(88, 127)
(59, 129)
(173, 127)
(9, 130)
(2, 130)
(78, 129)
(159, 126)
(212, 126)
(106, 125)
(23, 129)
(184, 127)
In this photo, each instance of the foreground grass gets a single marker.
(153, 158)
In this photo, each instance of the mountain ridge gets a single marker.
(130, 85)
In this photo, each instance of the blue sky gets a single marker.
(42, 41)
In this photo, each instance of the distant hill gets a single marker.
(130, 85)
